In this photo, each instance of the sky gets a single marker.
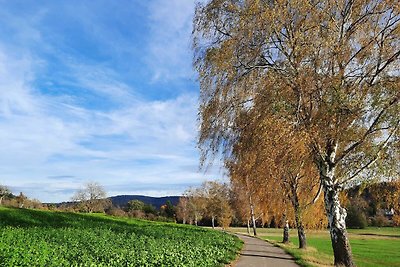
(98, 91)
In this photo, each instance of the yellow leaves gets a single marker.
(311, 71)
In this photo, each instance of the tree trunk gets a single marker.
(302, 236)
(213, 222)
(335, 212)
(299, 222)
(337, 228)
(286, 232)
(195, 220)
(1, 200)
(253, 219)
(248, 227)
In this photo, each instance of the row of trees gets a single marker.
(300, 97)
(211, 200)
(7, 198)
(92, 197)
(376, 205)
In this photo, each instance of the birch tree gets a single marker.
(182, 209)
(329, 68)
(196, 204)
(281, 168)
(246, 204)
(217, 205)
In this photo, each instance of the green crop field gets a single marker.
(44, 238)
(371, 246)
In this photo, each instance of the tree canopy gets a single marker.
(329, 70)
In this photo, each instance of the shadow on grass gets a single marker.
(27, 218)
(378, 235)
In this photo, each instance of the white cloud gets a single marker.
(15, 95)
(46, 136)
(101, 80)
(52, 142)
(169, 45)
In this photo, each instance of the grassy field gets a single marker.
(44, 238)
(371, 246)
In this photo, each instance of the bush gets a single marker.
(137, 214)
(396, 220)
(356, 218)
(163, 219)
(115, 212)
(380, 220)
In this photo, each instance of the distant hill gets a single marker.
(157, 202)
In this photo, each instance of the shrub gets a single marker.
(115, 212)
(396, 220)
(137, 214)
(380, 220)
(356, 218)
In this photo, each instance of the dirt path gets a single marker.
(258, 253)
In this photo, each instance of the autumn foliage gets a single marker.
(325, 71)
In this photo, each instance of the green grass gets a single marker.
(44, 238)
(370, 247)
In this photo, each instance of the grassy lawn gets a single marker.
(45, 238)
(371, 246)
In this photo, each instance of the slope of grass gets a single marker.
(44, 238)
(371, 246)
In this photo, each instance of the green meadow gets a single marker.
(46, 238)
(371, 246)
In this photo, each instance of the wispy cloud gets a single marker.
(147, 141)
(169, 54)
(68, 115)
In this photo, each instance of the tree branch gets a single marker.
(373, 160)
(370, 129)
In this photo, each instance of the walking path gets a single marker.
(258, 253)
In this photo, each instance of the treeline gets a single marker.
(222, 204)
(92, 198)
(7, 198)
(375, 205)
(210, 202)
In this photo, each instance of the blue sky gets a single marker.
(98, 91)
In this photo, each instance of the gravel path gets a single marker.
(258, 253)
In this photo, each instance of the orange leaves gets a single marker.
(284, 83)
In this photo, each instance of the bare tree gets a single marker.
(91, 197)
(182, 209)
(4, 192)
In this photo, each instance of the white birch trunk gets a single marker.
(253, 219)
(286, 232)
(335, 212)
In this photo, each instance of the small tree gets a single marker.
(217, 197)
(182, 209)
(168, 209)
(21, 199)
(4, 192)
(196, 204)
(135, 205)
(92, 197)
(149, 209)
